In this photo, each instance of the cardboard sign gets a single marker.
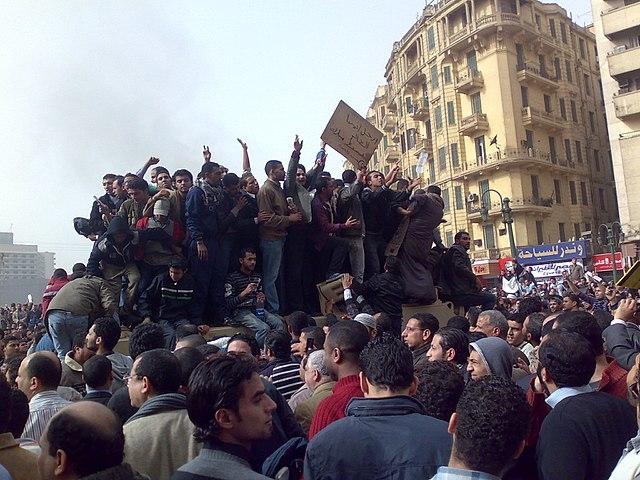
(631, 279)
(351, 135)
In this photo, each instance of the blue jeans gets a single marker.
(223, 259)
(247, 318)
(169, 332)
(271, 261)
(203, 276)
(63, 326)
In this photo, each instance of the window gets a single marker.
(579, 151)
(432, 171)
(409, 104)
(480, 151)
(519, 56)
(445, 199)
(596, 159)
(449, 237)
(537, 19)
(446, 74)
(587, 84)
(539, 232)
(556, 66)
(524, 93)
(385, 142)
(574, 112)
(431, 39)
(583, 194)
(442, 158)
(563, 32)
(561, 232)
(403, 143)
(489, 236)
(434, 77)
(552, 27)
(567, 68)
(411, 138)
(572, 192)
(563, 109)
(455, 160)
(535, 186)
(582, 49)
(438, 115)
(476, 104)
(547, 103)
(557, 191)
(543, 67)
(472, 61)
(567, 149)
(592, 122)
(529, 138)
(459, 200)
(576, 231)
(601, 197)
(451, 114)
(552, 150)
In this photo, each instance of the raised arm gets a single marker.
(152, 161)
(292, 168)
(246, 164)
(318, 167)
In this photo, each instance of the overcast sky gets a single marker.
(93, 87)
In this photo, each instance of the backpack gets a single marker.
(287, 462)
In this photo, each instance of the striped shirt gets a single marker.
(285, 376)
(42, 407)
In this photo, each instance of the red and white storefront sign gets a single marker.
(602, 262)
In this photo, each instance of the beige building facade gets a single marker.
(616, 25)
(500, 95)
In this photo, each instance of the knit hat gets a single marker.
(161, 207)
(366, 320)
(496, 354)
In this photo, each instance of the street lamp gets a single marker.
(610, 235)
(507, 219)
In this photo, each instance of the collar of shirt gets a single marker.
(44, 397)
(566, 392)
(448, 473)
(96, 390)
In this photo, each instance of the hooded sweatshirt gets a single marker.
(120, 366)
(496, 354)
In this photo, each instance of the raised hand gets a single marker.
(297, 144)
(244, 145)
(206, 153)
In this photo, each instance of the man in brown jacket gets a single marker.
(318, 378)
(273, 207)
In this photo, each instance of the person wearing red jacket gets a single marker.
(58, 280)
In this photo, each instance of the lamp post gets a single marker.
(507, 219)
(609, 235)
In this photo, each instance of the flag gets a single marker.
(494, 141)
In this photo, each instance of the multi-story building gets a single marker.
(23, 270)
(502, 95)
(616, 24)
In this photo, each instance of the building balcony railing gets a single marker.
(533, 74)
(623, 60)
(414, 72)
(391, 154)
(389, 121)
(543, 206)
(617, 20)
(455, 40)
(474, 123)
(420, 110)
(627, 104)
(532, 117)
(423, 145)
(511, 157)
(469, 81)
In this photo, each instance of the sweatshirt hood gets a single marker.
(496, 354)
(118, 225)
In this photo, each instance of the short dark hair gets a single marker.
(568, 358)
(317, 334)
(459, 322)
(192, 340)
(108, 330)
(97, 371)
(138, 184)
(19, 412)
(109, 176)
(529, 305)
(456, 339)
(472, 314)
(12, 366)
(385, 323)
(279, 343)
(322, 183)
(161, 368)
(440, 385)
(160, 170)
(79, 340)
(186, 330)
(90, 448)
(119, 179)
(298, 320)
(517, 317)
(427, 322)
(45, 369)
(208, 349)
(586, 325)
(603, 318)
(349, 176)
(492, 421)
(302, 167)
(59, 273)
(215, 384)
(189, 358)
(350, 338)
(245, 250)
(574, 297)
(182, 173)
(459, 235)
(535, 326)
(145, 337)
(392, 265)
(230, 179)
(271, 164)
(387, 363)
(248, 339)
(434, 189)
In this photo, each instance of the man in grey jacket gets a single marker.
(349, 205)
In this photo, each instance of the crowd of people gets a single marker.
(536, 384)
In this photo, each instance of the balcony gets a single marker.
(420, 110)
(620, 19)
(532, 74)
(391, 154)
(510, 158)
(473, 124)
(414, 72)
(389, 121)
(510, 23)
(627, 104)
(623, 60)
(423, 145)
(469, 81)
(532, 117)
(531, 205)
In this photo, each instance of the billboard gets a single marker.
(555, 252)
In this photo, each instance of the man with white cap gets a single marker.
(368, 321)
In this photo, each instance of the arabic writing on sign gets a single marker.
(351, 135)
(533, 254)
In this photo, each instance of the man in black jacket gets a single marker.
(109, 203)
(459, 282)
(169, 301)
(583, 435)
(622, 337)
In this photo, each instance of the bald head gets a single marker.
(89, 434)
(39, 372)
